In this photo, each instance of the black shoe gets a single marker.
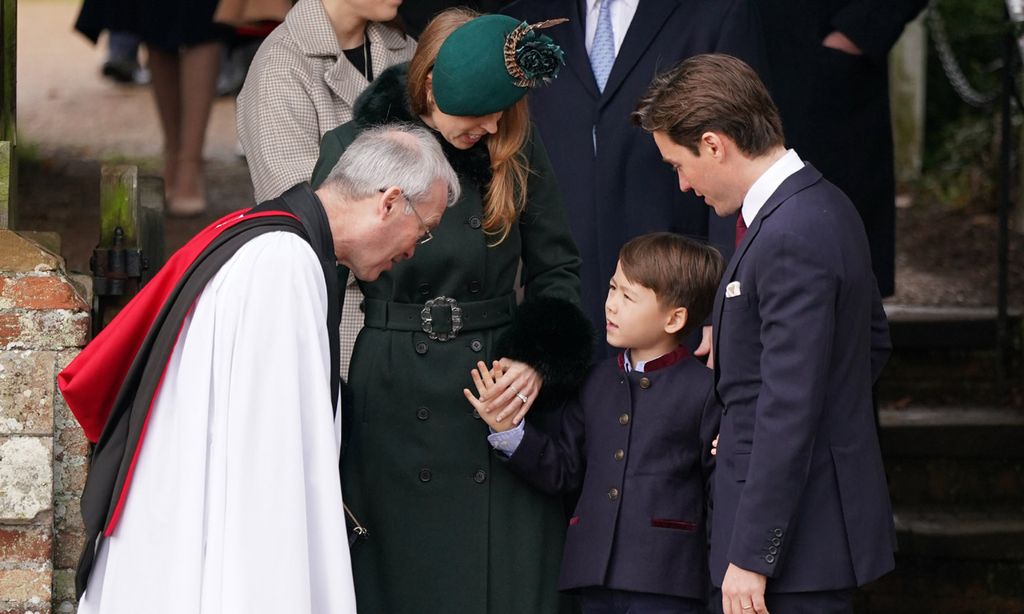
(125, 71)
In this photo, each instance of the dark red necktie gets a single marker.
(741, 228)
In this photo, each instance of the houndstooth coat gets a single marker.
(297, 89)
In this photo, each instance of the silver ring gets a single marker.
(522, 397)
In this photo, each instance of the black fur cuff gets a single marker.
(555, 338)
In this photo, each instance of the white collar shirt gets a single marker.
(767, 183)
(622, 16)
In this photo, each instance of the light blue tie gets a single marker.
(602, 50)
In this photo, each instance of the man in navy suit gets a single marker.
(610, 173)
(801, 509)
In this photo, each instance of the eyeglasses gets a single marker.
(426, 237)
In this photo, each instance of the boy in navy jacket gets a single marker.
(638, 439)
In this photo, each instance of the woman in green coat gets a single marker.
(451, 529)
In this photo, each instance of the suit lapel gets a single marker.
(650, 18)
(572, 37)
(805, 177)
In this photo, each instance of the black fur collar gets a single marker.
(387, 100)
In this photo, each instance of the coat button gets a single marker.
(769, 558)
(421, 348)
(777, 532)
(619, 455)
(424, 289)
(624, 419)
(474, 222)
(476, 345)
(773, 550)
(476, 414)
(645, 383)
(480, 476)
(776, 541)
(473, 286)
(613, 494)
(425, 475)
(422, 413)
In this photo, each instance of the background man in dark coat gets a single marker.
(801, 512)
(612, 179)
(830, 79)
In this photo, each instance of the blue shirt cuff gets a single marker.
(507, 442)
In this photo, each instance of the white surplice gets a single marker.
(235, 505)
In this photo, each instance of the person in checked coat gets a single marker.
(801, 509)
(637, 438)
(451, 527)
(304, 80)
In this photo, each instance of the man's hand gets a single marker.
(743, 591)
(706, 347)
(839, 41)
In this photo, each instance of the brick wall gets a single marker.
(44, 322)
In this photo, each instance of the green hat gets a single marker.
(489, 63)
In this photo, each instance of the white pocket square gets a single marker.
(733, 289)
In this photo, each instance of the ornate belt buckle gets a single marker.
(427, 318)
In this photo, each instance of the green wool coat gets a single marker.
(451, 529)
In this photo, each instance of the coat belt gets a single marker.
(475, 315)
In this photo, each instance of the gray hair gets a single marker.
(397, 154)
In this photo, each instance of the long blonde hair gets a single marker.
(506, 193)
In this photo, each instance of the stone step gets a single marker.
(954, 455)
(915, 327)
(927, 585)
(952, 560)
(952, 432)
(961, 533)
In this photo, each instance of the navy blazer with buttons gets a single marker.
(640, 445)
(800, 491)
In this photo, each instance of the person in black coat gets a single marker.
(612, 178)
(801, 511)
(830, 80)
(638, 439)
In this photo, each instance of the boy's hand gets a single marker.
(484, 380)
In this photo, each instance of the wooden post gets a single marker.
(8, 130)
(131, 245)
(6, 163)
(151, 224)
(119, 189)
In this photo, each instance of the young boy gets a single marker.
(638, 438)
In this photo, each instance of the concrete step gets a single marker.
(952, 561)
(961, 533)
(915, 327)
(954, 456)
(926, 585)
(953, 432)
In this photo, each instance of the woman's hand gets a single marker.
(515, 390)
(509, 389)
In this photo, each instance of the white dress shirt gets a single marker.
(622, 16)
(766, 184)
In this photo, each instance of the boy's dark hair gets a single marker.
(681, 272)
(711, 92)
